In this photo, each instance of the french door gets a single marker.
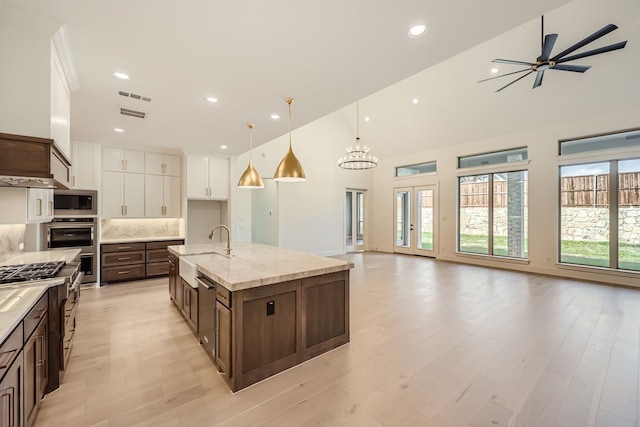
(354, 220)
(415, 230)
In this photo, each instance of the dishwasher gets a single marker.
(206, 315)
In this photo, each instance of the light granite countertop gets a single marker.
(252, 265)
(140, 239)
(66, 255)
(16, 299)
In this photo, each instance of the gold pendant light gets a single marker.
(250, 178)
(290, 169)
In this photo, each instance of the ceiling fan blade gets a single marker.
(547, 46)
(601, 32)
(503, 75)
(538, 80)
(519, 78)
(574, 68)
(509, 61)
(600, 50)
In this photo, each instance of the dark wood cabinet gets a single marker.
(11, 410)
(134, 261)
(190, 304)
(35, 371)
(223, 339)
(174, 276)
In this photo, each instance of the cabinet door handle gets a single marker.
(126, 210)
(5, 363)
(50, 207)
(124, 247)
(126, 165)
(73, 180)
(40, 314)
(122, 166)
(124, 258)
(122, 210)
(39, 207)
(42, 352)
(124, 272)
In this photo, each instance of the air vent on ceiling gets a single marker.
(134, 96)
(132, 113)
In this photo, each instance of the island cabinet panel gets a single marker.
(12, 409)
(223, 340)
(174, 276)
(326, 312)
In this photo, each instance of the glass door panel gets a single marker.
(354, 220)
(425, 219)
(415, 214)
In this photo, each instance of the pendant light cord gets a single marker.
(289, 102)
(357, 122)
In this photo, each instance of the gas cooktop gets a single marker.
(26, 272)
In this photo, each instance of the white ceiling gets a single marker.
(252, 54)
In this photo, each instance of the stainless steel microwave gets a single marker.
(75, 202)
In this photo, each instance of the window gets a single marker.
(492, 214)
(628, 139)
(507, 156)
(416, 169)
(600, 214)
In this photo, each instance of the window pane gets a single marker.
(474, 214)
(416, 169)
(507, 156)
(584, 214)
(629, 214)
(510, 214)
(425, 219)
(360, 218)
(605, 142)
(349, 219)
(403, 210)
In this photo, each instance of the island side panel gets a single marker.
(325, 313)
(267, 332)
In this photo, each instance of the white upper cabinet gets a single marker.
(85, 163)
(161, 164)
(122, 195)
(39, 205)
(118, 160)
(28, 205)
(207, 178)
(162, 196)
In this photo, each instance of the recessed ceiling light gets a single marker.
(494, 71)
(417, 30)
(212, 99)
(119, 130)
(120, 75)
(224, 147)
(367, 119)
(415, 101)
(275, 116)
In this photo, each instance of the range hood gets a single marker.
(27, 161)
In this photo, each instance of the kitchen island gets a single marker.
(261, 309)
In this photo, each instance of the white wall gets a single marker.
(311, 213)
(25, 85)
(543, 194)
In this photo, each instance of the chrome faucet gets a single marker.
(213, 232)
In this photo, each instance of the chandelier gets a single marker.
(358, 157)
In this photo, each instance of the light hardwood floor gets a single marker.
(432, 344)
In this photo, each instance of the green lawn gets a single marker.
(573, 251)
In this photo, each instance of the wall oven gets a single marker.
(80, 233)
(75, 203)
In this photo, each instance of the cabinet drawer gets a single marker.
(122, 247)
(123, 258)
(158, 269)
(157, 255)
(163, 244)
(125, 272)
(223, 295)
(34, 317)
(10, 348)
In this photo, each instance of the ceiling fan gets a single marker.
(545, 62)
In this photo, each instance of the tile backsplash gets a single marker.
(143, 228)
(11, 240)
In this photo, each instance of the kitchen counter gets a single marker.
(252, 265)
(66, 255)
(17, 300)
(140, 239)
